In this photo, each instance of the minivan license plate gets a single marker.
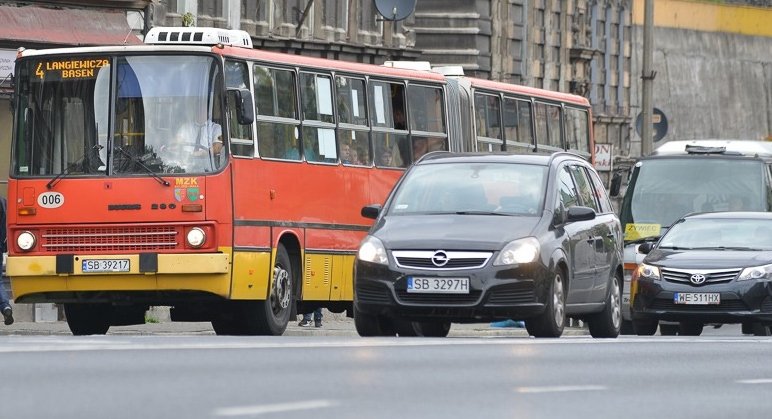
(697, 298)
(105, 265)
(438, 285)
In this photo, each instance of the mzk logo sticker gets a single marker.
(186, 187)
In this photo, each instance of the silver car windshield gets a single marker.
(495, 188)
(719, 233)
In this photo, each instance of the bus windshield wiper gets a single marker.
(66, 171)
(150, 171)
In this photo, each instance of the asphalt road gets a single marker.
(205, 376)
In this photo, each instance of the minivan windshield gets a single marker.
(663, 190)
(471, 188)
(719, 234)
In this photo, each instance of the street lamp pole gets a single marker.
(648, 79)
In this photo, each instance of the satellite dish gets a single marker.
(395, 9)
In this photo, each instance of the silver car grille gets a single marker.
(712, 276)
(440, 259)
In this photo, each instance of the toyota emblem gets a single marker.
(440, 258)
(697, 279)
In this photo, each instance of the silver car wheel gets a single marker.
(558, 304)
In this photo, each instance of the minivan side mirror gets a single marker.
(241, 100)
(646, 247)
(616, 184)
(371, 211)
(579, 213)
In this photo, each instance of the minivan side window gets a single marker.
(600, 192)
(584, 187)
(568, 196)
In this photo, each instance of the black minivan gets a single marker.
(481, 237)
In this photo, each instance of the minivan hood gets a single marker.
(707, 259)
(452, 231)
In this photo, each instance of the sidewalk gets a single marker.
(334, 327)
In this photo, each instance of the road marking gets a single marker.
(273, 408)
(558, 389)
(756, 381)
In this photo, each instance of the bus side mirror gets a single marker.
(616, 184)
(241, 100)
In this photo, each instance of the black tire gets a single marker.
(404, 328)
(608, 322)
(88, 319)
(760, 329)
(369, 325)
(666, 329)
(271, 316)
(432, 329)
(747, 328)
(627, 328)
(690, 328)
(645, 327)
(552, 321)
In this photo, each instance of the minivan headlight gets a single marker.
(372, 250)
(763, 272)
(519, 251)
(648, 271)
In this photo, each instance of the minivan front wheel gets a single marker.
(607, 323)
(551, 322)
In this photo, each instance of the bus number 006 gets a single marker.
(50, 200)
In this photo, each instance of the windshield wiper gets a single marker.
(66, 171)
(727, 248)
(677, 248)
(481, 213)
(150, 171)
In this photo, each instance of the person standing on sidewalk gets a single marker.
(5, 304)
(307, 317)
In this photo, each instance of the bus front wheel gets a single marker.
(271, 316)
(88, 319)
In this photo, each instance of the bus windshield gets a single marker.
(111, 116)
(662, 190)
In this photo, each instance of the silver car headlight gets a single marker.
(372, 250)
(519, 251)
(649, 272)
(763, 272)
(26, 240)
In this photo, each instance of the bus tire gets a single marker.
(88, 318)
(271, 316)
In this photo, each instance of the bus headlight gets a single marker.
(26, 240)
(196, 237)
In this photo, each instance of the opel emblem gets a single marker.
(697, 279)
(440, 258)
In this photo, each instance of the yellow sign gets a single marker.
(71, 69)
(639, 231)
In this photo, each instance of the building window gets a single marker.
(210, 8)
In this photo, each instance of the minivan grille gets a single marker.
(109, 238)
(433, 259)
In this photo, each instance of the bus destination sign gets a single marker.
(71, 69)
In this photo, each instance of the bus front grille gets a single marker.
(109, 238)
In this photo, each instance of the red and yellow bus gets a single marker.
(115, 204)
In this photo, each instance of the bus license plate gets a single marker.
(438, 285)
(697, 298)
(105, 265)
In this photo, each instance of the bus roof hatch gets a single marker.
(198, 36)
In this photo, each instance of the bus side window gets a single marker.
(352, 112)
(541, 124)
(241, 142)
(318, 129)
(488, 120)
(553, 119)
(525, 127)
(276, 98)
(576, 122)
